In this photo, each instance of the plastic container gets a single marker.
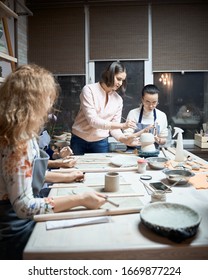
(179, 156)
(142, 165)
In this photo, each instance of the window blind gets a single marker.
(118, 32)
(56, 40)
(180, 37)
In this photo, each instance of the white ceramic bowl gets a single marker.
(157, 162)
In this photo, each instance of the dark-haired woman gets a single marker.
(148, 117)
(100, 113)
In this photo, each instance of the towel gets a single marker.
(190, 165)
(199, 181)
(76, 222)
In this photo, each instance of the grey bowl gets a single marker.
(157, 162)
(172, 220)
(178, 174)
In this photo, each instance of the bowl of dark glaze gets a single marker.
(172, 220)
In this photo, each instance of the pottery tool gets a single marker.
(125, 195)
(171, 150)
(111, 202)
(174, 184)
(164, 153)
(147, 187)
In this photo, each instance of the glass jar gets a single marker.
(158, 196)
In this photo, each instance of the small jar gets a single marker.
(142, 165)
(158, 196)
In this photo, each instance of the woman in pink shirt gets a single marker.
(100, 114)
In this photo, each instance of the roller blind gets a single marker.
(180, 37)
(119, 32)
(56, 40)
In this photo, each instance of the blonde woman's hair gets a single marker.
(26, 97)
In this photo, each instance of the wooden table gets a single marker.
(124, 237)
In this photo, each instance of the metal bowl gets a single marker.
(157, 162)
(178, 175)
(172, 220)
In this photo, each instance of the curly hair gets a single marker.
(26, 97)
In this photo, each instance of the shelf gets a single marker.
(6, 11)
(7, 57)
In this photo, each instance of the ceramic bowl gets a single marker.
(157, 162)
(172, 220)
(178, 174)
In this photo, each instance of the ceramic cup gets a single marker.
(111, 182)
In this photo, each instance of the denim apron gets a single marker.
(140, 125)
(15, 232)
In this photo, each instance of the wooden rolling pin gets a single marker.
(85, 214)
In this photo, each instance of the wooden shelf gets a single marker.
(6, 11)
(7, 57)
(203, 153)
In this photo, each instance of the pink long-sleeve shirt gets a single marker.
(93, 121)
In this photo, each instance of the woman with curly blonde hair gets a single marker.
(26, 98)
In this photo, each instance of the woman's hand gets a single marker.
(78, 175)
(130, 141)
(160, 140)
(93, 200)
(67, 162)
(65, 152)
(129, 124)
(139, 133)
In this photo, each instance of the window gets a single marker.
(184, 98)
(68, 103)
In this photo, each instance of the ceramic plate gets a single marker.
(172, 220)
(124, 161)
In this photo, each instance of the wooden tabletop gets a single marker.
(124, 237)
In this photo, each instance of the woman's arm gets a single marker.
(62, 163)
(92, 103)
(90, 200)
(17, 175)
(63, 177)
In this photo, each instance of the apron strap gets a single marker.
(141, 114)
(155, 116)
(39, 169)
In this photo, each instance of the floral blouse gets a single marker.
(16, 182)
